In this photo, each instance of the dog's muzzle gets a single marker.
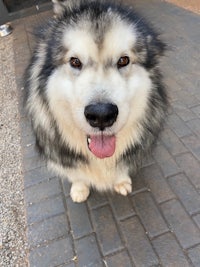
(101, 115)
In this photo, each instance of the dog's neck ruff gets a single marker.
(102, 146)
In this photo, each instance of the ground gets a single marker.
(192, 5)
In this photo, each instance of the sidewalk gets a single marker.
(159, 223)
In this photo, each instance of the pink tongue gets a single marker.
(102, 146)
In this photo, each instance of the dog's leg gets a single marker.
(79, 192)
(123, 184)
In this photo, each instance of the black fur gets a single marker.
(148, 49)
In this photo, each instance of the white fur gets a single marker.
(70, 90)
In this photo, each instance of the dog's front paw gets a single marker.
(79, 192)
(123, 187)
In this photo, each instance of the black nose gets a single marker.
(101, 115)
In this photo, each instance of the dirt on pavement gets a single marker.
(192, 5)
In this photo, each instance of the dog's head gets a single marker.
(105, 57)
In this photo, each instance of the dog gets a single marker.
(95, 95)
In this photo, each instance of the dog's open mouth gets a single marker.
(102, 146)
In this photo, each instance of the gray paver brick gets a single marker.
(53, 254)
(194, 255)
(88, 252)
(178, 126)
(149, 214)
(183, 112)
(182, 225)
(29, 150)
(118, 260)
(157, 184)
(42, 190)
(165, 161)
(122, 206)
(36, 176)
(186, 193)
(47, 230)
(33, 163)
(148, 161)
(106, 229)
(97, 199)
(138, 244)
(45, 209)
(190, 166)
(186, 97)
(25, 126)
(138, 183)
(79, 219)
(68, 265)
(197, 220)
(27, 141)
(172, 142)
(196, 110)
(169, 251)
(193, 144)
(194, 125)
(66, 186)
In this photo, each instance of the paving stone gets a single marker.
(36, 176)
(148, 161)
(178, 126)
(172, 142)
(138, 183)
(169, 251)
(68, 265)
(53, 254)
(106, 230)
(88, 252)
(193, 144)
(29, 150)
(45, 209)
(25, 127)
(33, 163)
(42, 191)
(122, 206)
(194, 125)
(190, 166)
(66, 186)
(97, 199)
(182, 225)
(187, 98)
(165, 161)
(138, 244)
(149, 214)
(186, 193)
(79, 219)
(183, 112)
(47, 230)
(28, 146)
(157, 184)
(118, 260)
(194, 255)
(196, 110)
(197, 220)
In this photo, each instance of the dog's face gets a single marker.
(99, 89)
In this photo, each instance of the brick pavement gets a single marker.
(159, 223)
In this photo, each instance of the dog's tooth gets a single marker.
(89, 140)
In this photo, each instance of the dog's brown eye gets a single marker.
(75, 63)
(123, 61)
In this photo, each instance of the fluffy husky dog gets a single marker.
(94, 93)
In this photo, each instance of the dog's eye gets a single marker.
(75, 63)
(123, 61)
